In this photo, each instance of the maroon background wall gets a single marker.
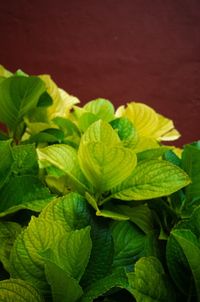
(141, 50)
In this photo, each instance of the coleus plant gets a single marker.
(93, 206)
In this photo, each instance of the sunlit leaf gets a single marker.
(151, 179)
(62, 101)
(102, 108)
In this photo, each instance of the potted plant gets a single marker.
(93, 205)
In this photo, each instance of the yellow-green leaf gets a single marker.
(151, 179)
(26, 263)
(16, 290)
(62, 101)
(102, 108)
(148, 123)
(106, 167)
(65, 158)
(101, 131)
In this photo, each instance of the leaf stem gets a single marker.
(101, 202)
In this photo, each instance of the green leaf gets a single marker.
(50, 135)
(145, 143)
(106, 167)
(67, 126)
(65, 158)
(178, 266)
(71, 131)
(151, 179)
(140, 215)
(152, 246)
(100, 287)
(149, 283)
(34, 128)
(126, 131)
(102, 108)
(4, 72)
(25, 160)
(57, 133)
(101, 258)
(1, 78)
(26, 261)
(56, 180)
(191, 249)
(152, 153)
(101, 131)
(182, 252)
(86, 119)
(16, 290)
(8, 234)
(3, 136)
(63, 287)
(45, 100)
(20, 72)
(6, 161)
(71, 211)
(191, 164)
(23, 192)
(92, 201)
(195, 221)
(18, 95)
(108, 212)
(172, 158)
(103, 161)
(129, 243)
(71, 253)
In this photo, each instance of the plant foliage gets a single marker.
(93, 206)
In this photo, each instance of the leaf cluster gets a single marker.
(93, 206)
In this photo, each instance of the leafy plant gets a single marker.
(93, 206)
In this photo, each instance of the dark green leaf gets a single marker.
(191, 164)
(149, 283)
(18, 95)
(140, 215)
(100, 287)
(126, 131)
(45, 100)
(63, 287)
(8, 234)
(6, 161)
(101, 258)
(129, 243)
(50, 135)
(179, 267)
(70, 210)
(23, 192)
(172, 158)
(25, 160)
(190, 246)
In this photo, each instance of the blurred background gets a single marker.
(130, 50)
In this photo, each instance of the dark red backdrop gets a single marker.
(141, 50)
